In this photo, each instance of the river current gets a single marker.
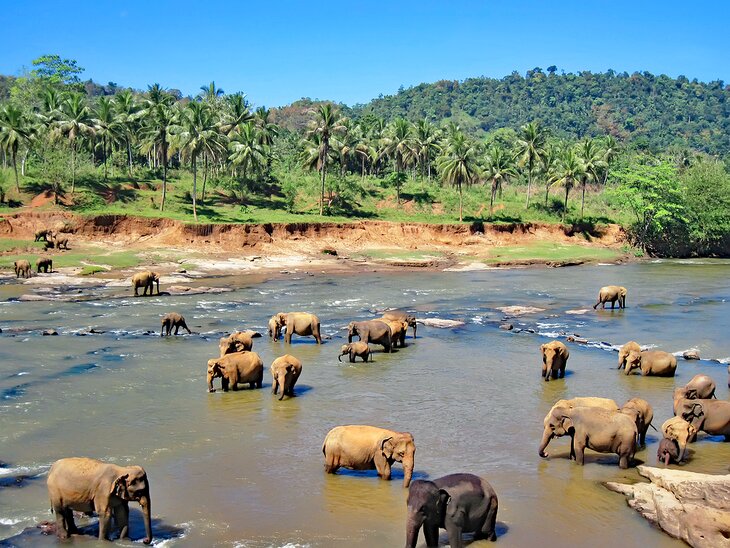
(244, 469)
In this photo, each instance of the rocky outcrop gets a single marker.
(689, 506)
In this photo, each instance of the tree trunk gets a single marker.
(461, 206)
(491, 200)
(22, 163)
(129, 155)
(73, 167)
(15, 168)
(243, 182)
(529, 184)
(103, 152)
(195, 190)
(565, 205)
(324, 174)
(547, 191)
(205, 179)
(583, 200)
(164, 175)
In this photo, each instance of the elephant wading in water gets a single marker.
(554, 359)
(711, 416)
(285, 372)
(22, 267)
(238, 341)
(274, 329)
(397, 332)
(301, 323)
(642, 413)
(362, 447)
(88, 485)
(372, 331)
(668, 451)
(459, 503)
(355, 349)
(681, 431)
(170, 320)
(655, 363)
(147, 280)
(626, 349)
(592, 428)
(700, 387)
(611, 294)
(45, 264)
(239, 367)
(401, 316)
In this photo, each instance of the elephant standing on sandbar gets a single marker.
(301, 323)
(45, 264)
(611, 294)
(22, 267)
(88, 485)
(554, 359)
(371, 331)
(146, 279)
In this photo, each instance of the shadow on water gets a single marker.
(19, 390)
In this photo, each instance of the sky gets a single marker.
(352, 51)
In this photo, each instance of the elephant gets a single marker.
(611, 293)
(45, 264)
(459, 503)
(88, 485)
(624, 352)
(656, 363)
(274, 329)
(146, 279)
(238, 341)
(700, 387)
(601, 403)
(355, 349)
(397, 332)
(361, 447)
(680, 430)
(594, 428)
(374, 331)
(554, 359)
(22, 267)
(239, 367)
(641, 413)
(401, 316)
(173, 319)
(711, 416)
(59, 241)
(301, 323)
(42, 234)
(668, 451)
(285, 372)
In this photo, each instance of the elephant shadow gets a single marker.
(396, 474)
(300, 389)
(468, 538)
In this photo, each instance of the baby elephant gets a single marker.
(554, 359)
(173, 319)
(611, 294)
(355, 349)
(656, 363)
(238, 341)
(285, 372)
(459, 503)
(22, 267)
(239, 367)
(668, 451)
(42, 235)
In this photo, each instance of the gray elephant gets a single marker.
(554, 359)
(300, 323)
(238, 341)
(22, 267)
(45, 264)
(656, 363)
(592, 428)
(170, 320)
(612, 294)
(285, 372)
(700, 387)
(274, 328)
(623, 353)
(402, 316)
(88, 485)
(371, 331)
(711, 416)
(668, 451)
(642, 413)
(239, 367)
(459, 503)
(355, 349)
(147, 280)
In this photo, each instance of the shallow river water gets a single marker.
(243, 469)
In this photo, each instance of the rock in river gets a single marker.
(438, 322)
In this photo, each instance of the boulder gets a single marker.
(507, 326)
(438, 322)
(50, 332)
(691, 354)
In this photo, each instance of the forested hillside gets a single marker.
(652, 112)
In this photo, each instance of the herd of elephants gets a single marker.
(459, 503)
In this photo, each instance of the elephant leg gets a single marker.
(431, 532)
(562, 371)
(579, 452)
(454, 531)
(489, 529)
(121, 517)
(382, 465)
(274, 386)
(287, 337)
(352, 357)
(224, 384)
(177, 328)
(330, 466)
(61, 522)
(623, 462)
(105, 518)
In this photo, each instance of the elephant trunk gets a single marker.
(144, 502)
(407, 470)
(546, 437)
(682, 449)
(412, 529)
(339, 358)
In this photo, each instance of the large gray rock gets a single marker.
(689, 506)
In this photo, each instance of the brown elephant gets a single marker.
(611, 293)
(22, 267)
(711, 416)
(629, 347)
(361, 447)
(680, 430)
(89, 485)
(173, 319)
(655, 363)
(45, 264)
(589, 401)
(274, 328)
(355, 349)
(641, 413)
(554, 359)
(668, 451)
(146, 279)
(238, 341)
(700, 387)
(59, 242)
(239, 367)
(402, 316)
(301, 323)
(285, 372)
(374, 331)
(42, 234)
(397, 332)
(592, 428)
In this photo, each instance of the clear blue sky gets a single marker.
(352, 51)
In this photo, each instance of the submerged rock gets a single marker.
(185, 290)
(49, 332)
(691, 354)
(507, 326)
(438, 322)
(689, 506)
(520, 310)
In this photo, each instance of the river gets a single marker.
(243, 469)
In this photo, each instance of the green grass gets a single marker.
(117, 259)
(91, 269)
(397, 255)
(546, 251)
(6, 244)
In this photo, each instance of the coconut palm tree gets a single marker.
(568, 171)
(399, 144)
(107, 128)
(127, 109)
(266, 132)
(610, 153)
(235, 114)
(548, 161)
(500, 166)
(159, 116)
(15, 129)
(211, 93)
(327, 123)
(591, 157)
(74, 123)
(530, 145)
(458, 164)
(427, 145)
(247, 152)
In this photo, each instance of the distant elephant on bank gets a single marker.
(554, 359)
(285, 372)
(59, 242)
(680, 430)
(711, 416)
(371, 331)
(146, 279)
(170, 320)
(642, 413)
(239, 367)
(655, 363)
(459, 503)
(624, 352)
(45, 264)
(22, 267)
(88, 485)
(42, 235)
(668, 451)
(301, 323)
(611, 293)
(362, 447)
(355, 349)
(401, 316)
(238, 341)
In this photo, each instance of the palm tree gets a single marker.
(548, 161)
(236, 113)
(610, 153)
(127, 109)
(247, 152)
(426, 144)
(592, 158)
(159, 117)
(530, 145)
(75, 123)
(211, 93)
(399, 144)
(15, 129)
(569, 170)
(107, 127)
(266, 131)
(458, 163)
(500, 166)
(327, 124)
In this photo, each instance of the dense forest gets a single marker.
(515, 149)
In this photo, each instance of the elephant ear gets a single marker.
(567, 423)
(691, 394)
(119, 487)
(387, 447)
(443, 501)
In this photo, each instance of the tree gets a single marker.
(500, 166)
(326, 124)
(107, 128)
(426, 145)
(211, 93)
(235, 114)
(548, 163)
(15, 129)
(569, 170)
(458, 163)
(398, 143)
(127, 109)
(159, 117)
(530, 145)
(247, 152)
(592, 159)
(75, 123)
